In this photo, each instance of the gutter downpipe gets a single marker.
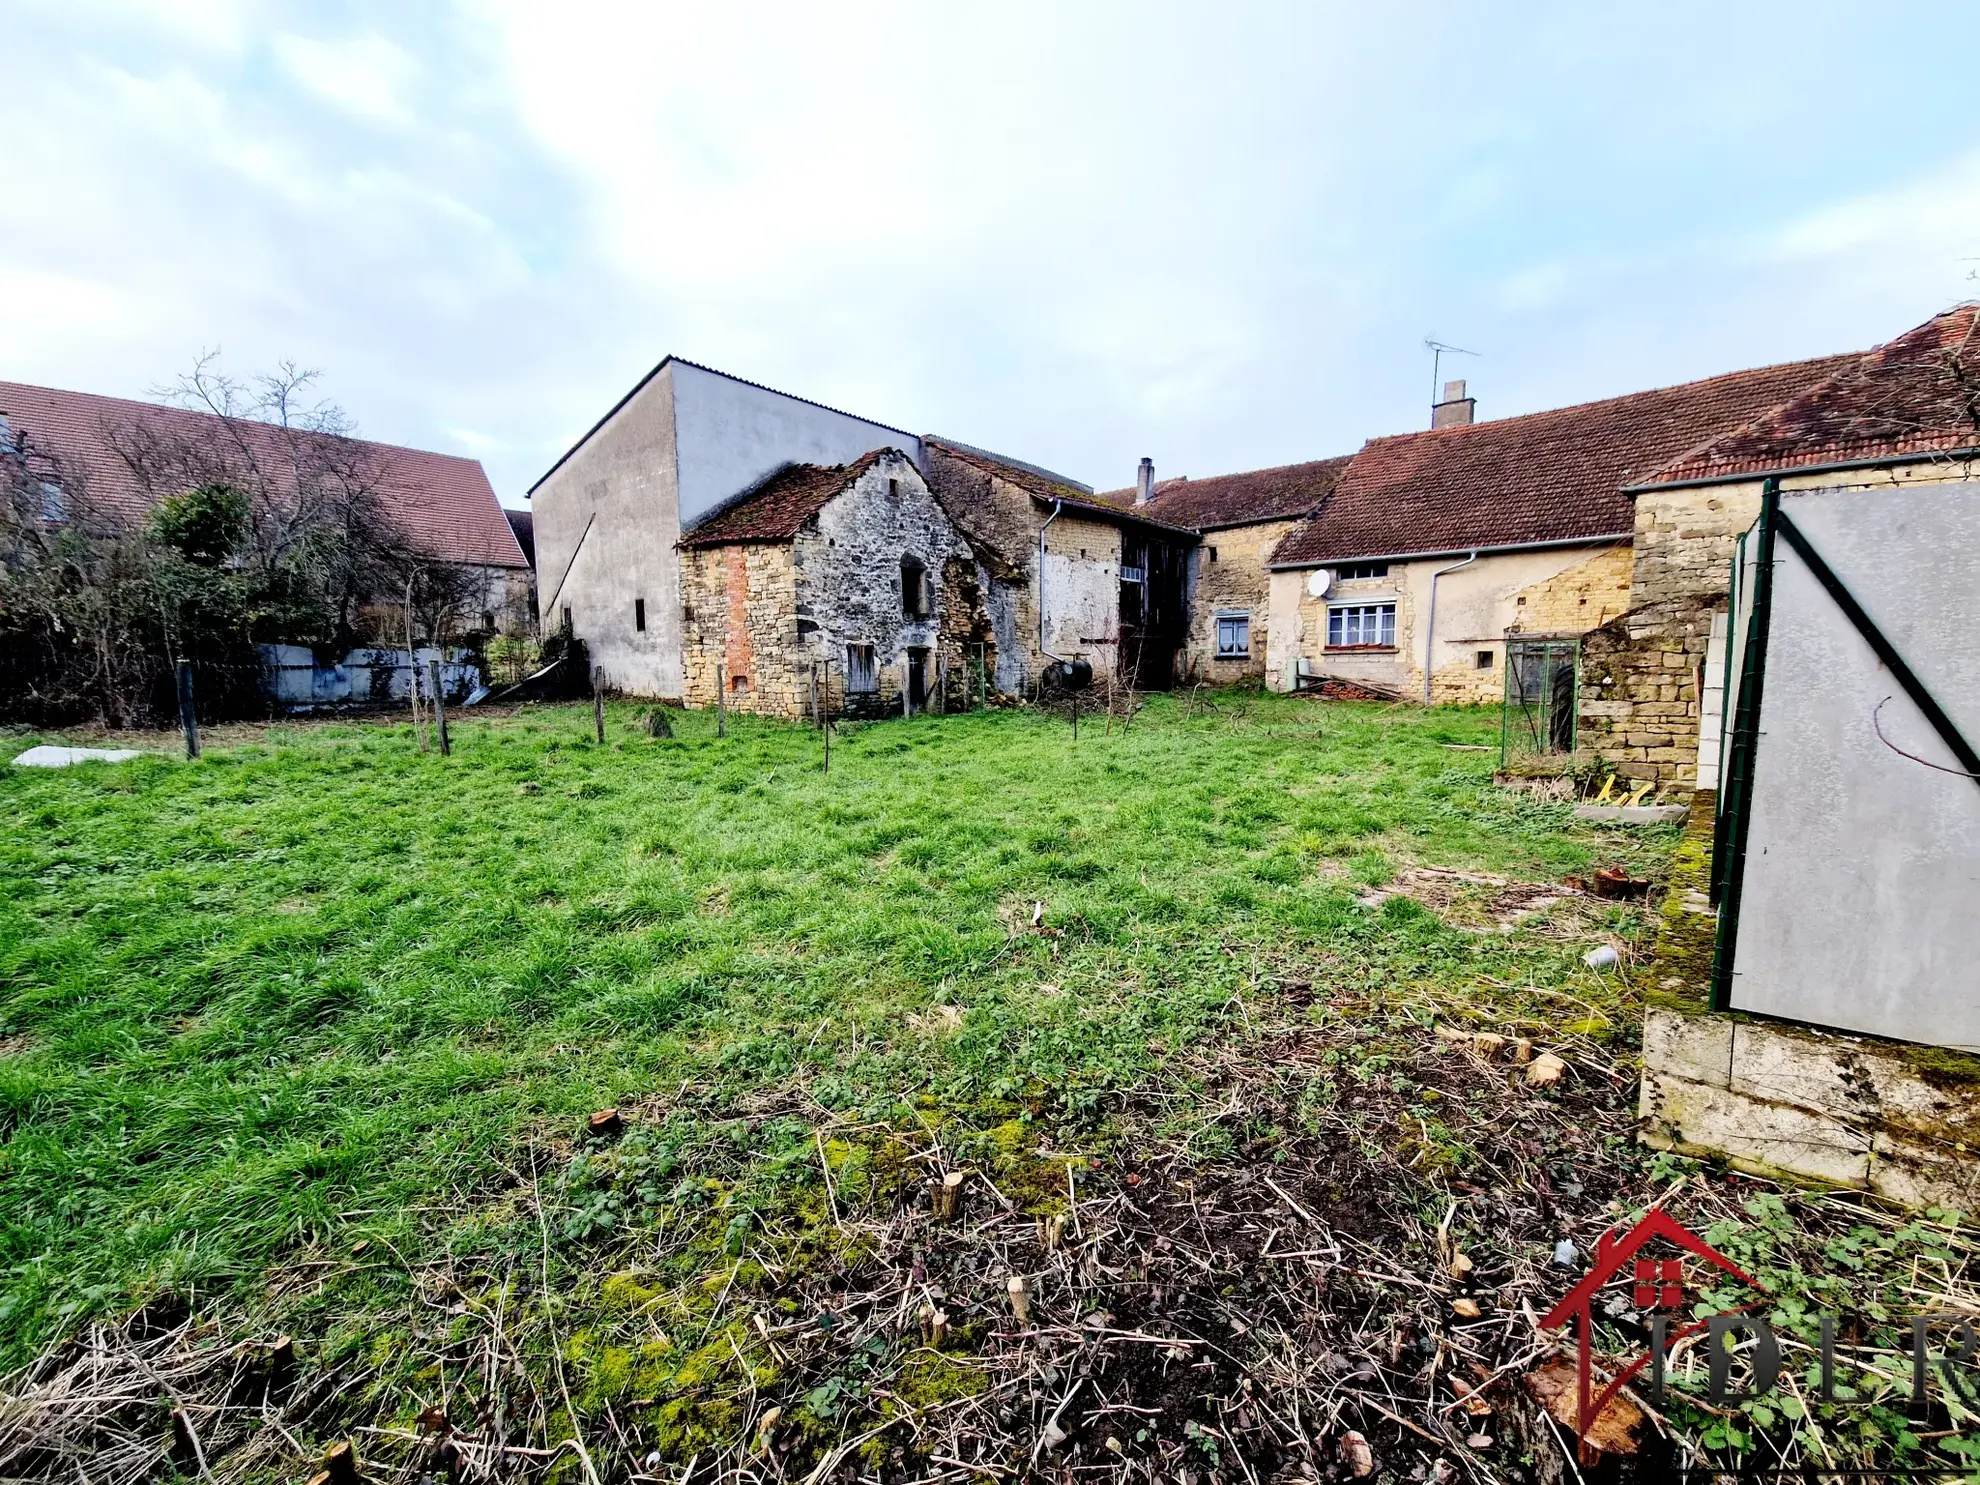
(1057, 506)
(1430, 625)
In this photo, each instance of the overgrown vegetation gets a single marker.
(263, 521)
(303, 1039)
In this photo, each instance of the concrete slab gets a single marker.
(1698, 1049)
(1633, 814)
(47, 756)
(1767, 1138)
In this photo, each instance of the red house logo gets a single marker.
(1659, 1285)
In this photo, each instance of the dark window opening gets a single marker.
(738, 683)
(914, 587)
(862, 669)
(488, 620)
(1484, 659)
(1213, 554)
(893, 489)
(1355, 570)
(917, 678)
(567, 619)
(639, 614)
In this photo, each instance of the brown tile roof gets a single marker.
(1545, 477)
(1918, 394)
(443, 503)
(1043, 485)
(777, 508)
(1283, 493)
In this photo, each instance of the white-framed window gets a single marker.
(862, 668)
(1354, 626)
(1233, 635)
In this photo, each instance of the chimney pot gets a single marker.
(1144, 482)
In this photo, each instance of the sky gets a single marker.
(1215, 235)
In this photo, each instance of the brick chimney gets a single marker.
(1144, 480)
(1456, 410)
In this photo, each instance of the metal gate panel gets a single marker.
(1857, 904)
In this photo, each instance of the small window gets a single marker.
(639, 614)
(914, 587)
(1357, 570)
(488, 620)
(1234, 636)
(893, 489)
(54, 508)
(1362, 626)
(738, 683)
(1213, 554)
(567, 618)
(862, 669)
(1484, 659)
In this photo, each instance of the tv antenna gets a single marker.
(1437, 350)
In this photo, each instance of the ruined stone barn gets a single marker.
(1240, 519)
(852, 574)
(610, 513)
(1090, 580)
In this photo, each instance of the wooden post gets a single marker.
(188, 718)
(439, 708)
(942, 686)
(721, 702)
(598, 704)
(412, 695)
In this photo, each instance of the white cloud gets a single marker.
(366, 76)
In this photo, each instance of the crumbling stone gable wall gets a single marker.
(849, 582)
(1228, 576)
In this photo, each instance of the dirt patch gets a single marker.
(1491, 904)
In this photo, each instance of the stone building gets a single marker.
(851, 574)
(1239, 519)
(1652, 678)
(610, 512)
(1089, 579)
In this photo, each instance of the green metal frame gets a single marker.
(1729, 830)
(1572, 647)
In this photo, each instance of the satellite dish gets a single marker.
(1319, 581)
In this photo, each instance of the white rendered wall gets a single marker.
(1862, 880)
(730, 435)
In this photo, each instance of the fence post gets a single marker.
(439, 708)
(598, 704)
(817, 720)
(721, 702)
(188, 719)
(826, 716)
(942, 686)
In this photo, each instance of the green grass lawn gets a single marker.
(310, 985)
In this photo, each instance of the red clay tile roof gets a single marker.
(1043, 485)
(1545, 477)
(777, 508)
(1918, 394)
(444, 504)
(1283, 493)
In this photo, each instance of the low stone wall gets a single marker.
(1898, 1121)
(1641, 677)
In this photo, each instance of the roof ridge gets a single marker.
(1597, 402)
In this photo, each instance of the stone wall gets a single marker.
(1227, 575)
(1641, 678)
(769, 612)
